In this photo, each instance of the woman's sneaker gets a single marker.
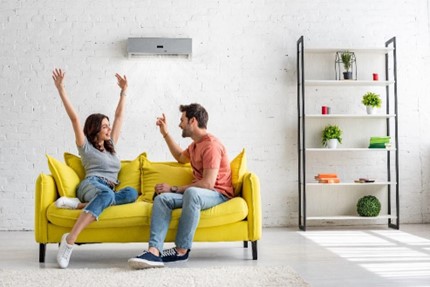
(171, 255)
(67, 202)
(64, 253)
(145, 260)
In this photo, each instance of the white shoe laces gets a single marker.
(169, 252)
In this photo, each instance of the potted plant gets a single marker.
(331, 135)
(371, 101)
(346, 57)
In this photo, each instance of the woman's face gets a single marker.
(104, 133)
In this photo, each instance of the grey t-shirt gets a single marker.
(99, 163)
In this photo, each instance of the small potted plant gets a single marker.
(346, 57)
(371, 101)
(331, 135)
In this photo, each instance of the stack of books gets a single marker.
(327, 178)
(379, 142)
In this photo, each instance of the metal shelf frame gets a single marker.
(393, 186)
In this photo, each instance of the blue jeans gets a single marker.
(192, 201)
(100, 196)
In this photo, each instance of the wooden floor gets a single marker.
(341, 256)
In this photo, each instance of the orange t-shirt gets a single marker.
(210, 153)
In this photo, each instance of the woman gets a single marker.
(96, 145)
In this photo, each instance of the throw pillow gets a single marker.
(65, 177)
(238, 170)
(129, 175)
(171, 173)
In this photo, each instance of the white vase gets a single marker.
(332, 143)
(370, 110)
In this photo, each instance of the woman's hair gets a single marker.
(196, 111)
(93, 125)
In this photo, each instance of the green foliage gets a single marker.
(331, 132)
(371, 99)
(346, 57)
(368, 206)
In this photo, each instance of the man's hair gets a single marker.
(196, 111)
(93, 124)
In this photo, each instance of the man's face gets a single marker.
(185, 126)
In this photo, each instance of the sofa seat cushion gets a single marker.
(126, 215)
(139, 214)
(231, 211)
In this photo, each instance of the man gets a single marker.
(211, 186)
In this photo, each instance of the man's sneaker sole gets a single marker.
(137, 263)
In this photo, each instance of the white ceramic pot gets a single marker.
(332, 143)
(370, 110)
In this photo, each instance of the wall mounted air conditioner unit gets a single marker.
(172, 47)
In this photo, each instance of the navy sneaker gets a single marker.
(171, 255)
(145, 260)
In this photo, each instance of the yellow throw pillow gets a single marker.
(238, 170)
(65, 177)
(172, 173)
(75, 163)
(129, 175)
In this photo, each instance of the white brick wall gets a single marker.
(243, 70)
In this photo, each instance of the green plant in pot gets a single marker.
(331, 135)
(346, 57)
(368, 206)
(371, 101)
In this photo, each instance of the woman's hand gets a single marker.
(122, 82)
(58, 75)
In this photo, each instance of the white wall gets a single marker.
(243, 71)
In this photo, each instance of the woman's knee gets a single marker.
(131, 193)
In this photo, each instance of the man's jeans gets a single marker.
(98, 193)
(192, 201)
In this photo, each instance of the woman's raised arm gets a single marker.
(58, 75)
(119, 113)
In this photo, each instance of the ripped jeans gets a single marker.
(100, 195)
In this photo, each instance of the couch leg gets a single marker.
(42, 252)
(254, 250)
(245, 244)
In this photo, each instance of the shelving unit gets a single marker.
(342, 197)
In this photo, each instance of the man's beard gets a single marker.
(185, 133)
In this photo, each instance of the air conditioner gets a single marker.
(172, 47)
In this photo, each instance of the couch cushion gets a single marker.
(129, 174)
(172, 173)
(133, 214)
(65, 177)
(238, 170)
(139, 214)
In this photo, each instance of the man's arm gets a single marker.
(174, 148)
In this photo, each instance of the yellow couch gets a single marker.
(238, 219)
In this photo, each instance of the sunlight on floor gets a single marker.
(387, 253)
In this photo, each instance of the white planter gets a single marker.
(370, 110)
(332, 143)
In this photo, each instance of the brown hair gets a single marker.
(93, 125)
(196, 111)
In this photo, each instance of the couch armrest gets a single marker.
(251, 194)
(45, 194)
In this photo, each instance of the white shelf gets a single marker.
(377, 183)
(355, 50)
(321, 116)
(348, 149)
(347, 83)
(349, 217)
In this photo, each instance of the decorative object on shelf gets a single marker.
(364, 180)
(349, 63)
(379, 142)
(327, 178)
(325, 110)
(375, 77)
(331, 135)
(368, 206)
(371, 101)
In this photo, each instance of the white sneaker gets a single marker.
(67, 202)
(64, 253)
